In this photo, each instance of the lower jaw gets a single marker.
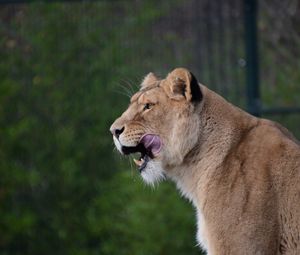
(142, 168)
(144, 165)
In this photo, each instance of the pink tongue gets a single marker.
(152, 143)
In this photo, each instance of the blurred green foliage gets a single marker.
(279, 39)
(60, 191)
(145, 221)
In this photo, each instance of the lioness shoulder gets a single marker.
(242, 173)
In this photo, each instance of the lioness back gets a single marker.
(242, 173)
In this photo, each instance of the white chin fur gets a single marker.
(153, 173)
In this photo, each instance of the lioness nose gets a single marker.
(116, 131)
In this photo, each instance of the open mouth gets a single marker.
(148, 147)
(144, 158)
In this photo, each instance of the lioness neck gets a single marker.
(222, 125)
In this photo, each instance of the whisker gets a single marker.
(122, 93)
(122, 89)
(129, 86)
(135, 83)
(131, 166)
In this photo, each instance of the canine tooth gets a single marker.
(138, 162)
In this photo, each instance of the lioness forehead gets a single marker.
(148, 94)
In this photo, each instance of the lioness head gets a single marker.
(161, 123)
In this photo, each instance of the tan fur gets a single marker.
(242, 173)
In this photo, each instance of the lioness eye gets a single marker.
(147, 106)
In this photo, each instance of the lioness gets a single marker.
(242, 173)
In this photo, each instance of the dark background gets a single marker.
(66, 71)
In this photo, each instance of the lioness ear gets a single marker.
(183, 84)
(149, 79)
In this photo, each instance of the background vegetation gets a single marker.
(63, 69)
